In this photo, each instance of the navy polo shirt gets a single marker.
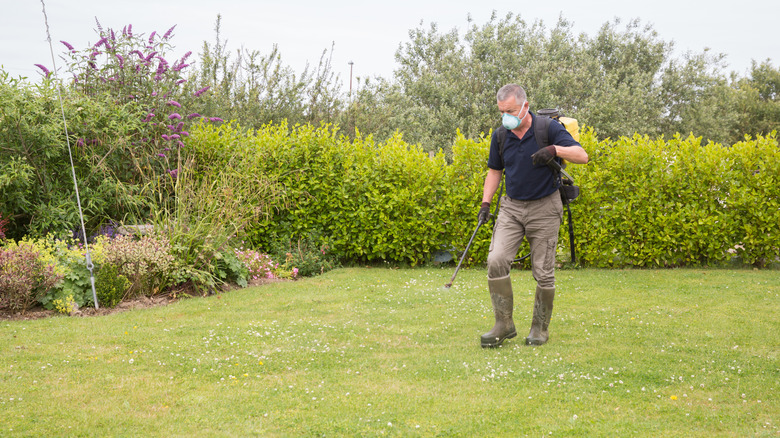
(524, 181)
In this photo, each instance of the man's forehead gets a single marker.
(509, 103)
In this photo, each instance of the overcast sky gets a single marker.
(369, 33)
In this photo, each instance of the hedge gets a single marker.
(644, 202)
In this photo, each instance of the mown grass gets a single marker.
(367, 352)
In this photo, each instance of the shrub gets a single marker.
(110, 285)
(146, 261)
(303, 257)
(23, 276)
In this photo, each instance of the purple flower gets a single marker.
(173, 172)
(80, 142)
(67, 45)
(149, 117)
(181, 81)
(149, 57)
(165, 137)
(193, 115)
(185, 134)
(179, 126)
(137, 52)
(45, 70)
(180, 67)
(162, 66)
(216, 119)
(174, 103)
(181, 145)
(201, 91)
(174, 116)
(121, 60)
(168, 34)
(94, 54)
(161, 155)
(175, 136)
(151, 37)
(101, 42)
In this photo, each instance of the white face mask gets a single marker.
(511, 122)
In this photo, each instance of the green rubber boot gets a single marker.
(543, 306)
(501, 296)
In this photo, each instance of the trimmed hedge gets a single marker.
(644, 202)
(671, 203)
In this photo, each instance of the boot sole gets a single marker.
(529, 341)
(497, 343)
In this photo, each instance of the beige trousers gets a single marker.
(538, 221)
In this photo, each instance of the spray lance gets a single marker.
(474, 234)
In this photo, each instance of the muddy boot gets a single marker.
(543, 306)
(501, 296)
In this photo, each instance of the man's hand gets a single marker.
(544, 155)
(484, 213)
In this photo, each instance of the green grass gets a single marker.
(367, 352)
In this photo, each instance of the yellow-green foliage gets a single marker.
(644, 202)
(678, 202)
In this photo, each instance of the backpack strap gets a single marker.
(542, 130)
(501, 134)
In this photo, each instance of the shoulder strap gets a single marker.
(501, 136)
(542, 130)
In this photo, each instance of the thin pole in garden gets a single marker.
(90, 265)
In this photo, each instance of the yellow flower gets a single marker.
(674, 397)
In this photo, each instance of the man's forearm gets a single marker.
(574, 154)
(492, 180)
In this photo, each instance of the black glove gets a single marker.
(484, 213)
(544, 155)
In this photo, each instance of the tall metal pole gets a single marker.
(350, 79)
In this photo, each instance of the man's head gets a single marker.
(512, 103)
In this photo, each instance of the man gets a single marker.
(532, 208)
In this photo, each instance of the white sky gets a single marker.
(369, 33)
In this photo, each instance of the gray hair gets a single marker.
(510, 90)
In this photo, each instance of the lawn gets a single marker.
(391, 352)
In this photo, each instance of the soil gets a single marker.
(131, 304)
